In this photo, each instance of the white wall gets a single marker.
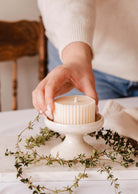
(12, 10)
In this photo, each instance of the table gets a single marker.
(10, 124)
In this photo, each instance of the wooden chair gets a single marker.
(23, 38)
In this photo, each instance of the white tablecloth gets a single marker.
(11, 122)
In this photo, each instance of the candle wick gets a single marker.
(75, 99)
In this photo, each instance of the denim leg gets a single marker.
(53, 57)
(132, 89)
(106, 86)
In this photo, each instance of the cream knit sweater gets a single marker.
(109, 27)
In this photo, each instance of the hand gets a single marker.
(75, 72)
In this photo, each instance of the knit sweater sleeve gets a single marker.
(68, 21)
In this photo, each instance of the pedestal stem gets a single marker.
(71, 147)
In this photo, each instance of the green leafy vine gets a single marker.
(121, 146)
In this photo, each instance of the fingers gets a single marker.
(38, 100)
(49, 99)
(43, 95)
(34, 100)
(89, 90)
(55, 86)
(43, 100)
(38, 97)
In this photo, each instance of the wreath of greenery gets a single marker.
(121, 146)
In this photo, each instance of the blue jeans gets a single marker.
(107, 86)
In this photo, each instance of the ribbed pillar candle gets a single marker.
(74, 110)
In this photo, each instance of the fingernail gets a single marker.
(40, 111)
(49, 113)
(96, 109)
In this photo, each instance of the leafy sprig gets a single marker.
(121, 146)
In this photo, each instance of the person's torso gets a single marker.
(115, 40)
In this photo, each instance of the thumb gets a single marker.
(49, 99)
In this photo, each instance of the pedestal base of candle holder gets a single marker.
(73, 145)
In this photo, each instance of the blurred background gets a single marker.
(27, 71)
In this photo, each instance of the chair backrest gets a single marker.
(23, 38)
(18, 39)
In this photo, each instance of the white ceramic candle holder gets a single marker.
(74, 144)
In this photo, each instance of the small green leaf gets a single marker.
(116, 186)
